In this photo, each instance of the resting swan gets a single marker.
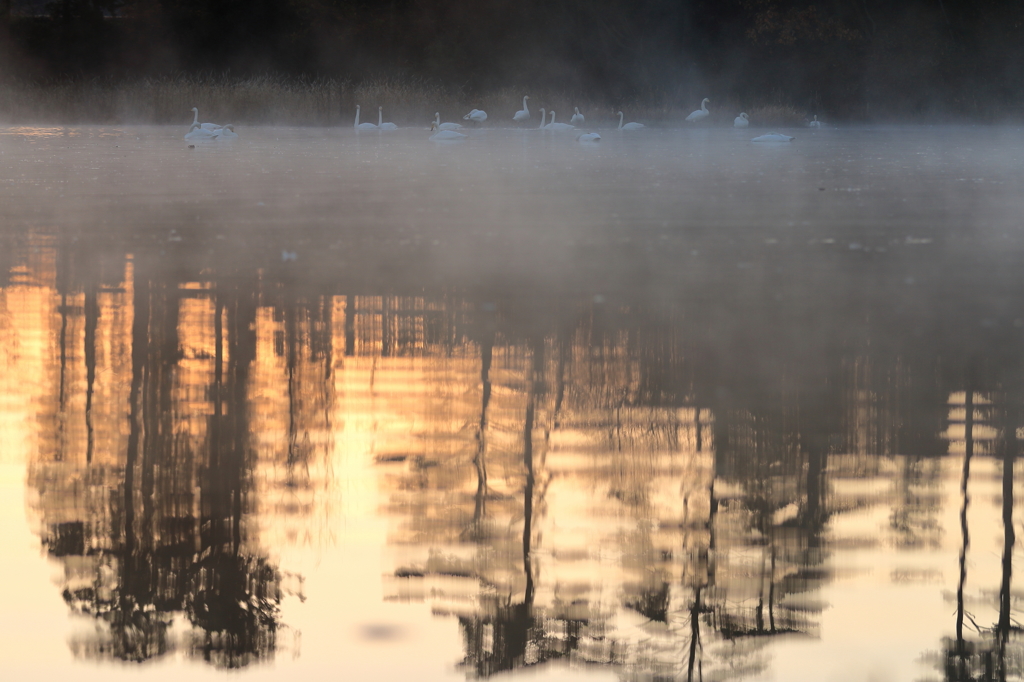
(205, 126)
(443, 135)
(741, 121)
(444, 126)
(588, 137)
(476, 115)
(577, 118)
(773, 137)
(198, 133)
(380, 121)
(524, 113)
(557, 126)
(363, 126)
(629, 126)
(701, 113)
(225, 133)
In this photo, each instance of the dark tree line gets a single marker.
(852, 58)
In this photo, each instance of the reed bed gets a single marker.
(274, 100)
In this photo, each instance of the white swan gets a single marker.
(701, 113)
(444, 126)
(380, 121)
(225, 133)
(588, 137)
(363, 126)
(443, 135)
(629, 126)
(741, 121)
(524, 113)
(205, 126)
(476, 115)
(557, 126)
(773, 137)
(197, 133)
(815, 123)
(577, 118)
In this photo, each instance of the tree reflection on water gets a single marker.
(618, 481)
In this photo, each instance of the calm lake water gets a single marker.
(673, 406)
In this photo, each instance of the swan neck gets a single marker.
(620, 120)
(357, 117)
(543, 117)
(380, 116)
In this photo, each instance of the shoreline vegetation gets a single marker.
(279, 100)
(308, 62)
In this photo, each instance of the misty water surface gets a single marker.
(671, 406)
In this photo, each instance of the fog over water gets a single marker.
(673, 405)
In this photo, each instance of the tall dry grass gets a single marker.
(273, 100)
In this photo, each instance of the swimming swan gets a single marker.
(773, 137)
(205, 126)
(741, 121)
(380, 121)
(701, 113)
(815, 123)
(577, 118)
(588, 137)
(363, 126)
(524, 113)
(629, 126)
(198, 133)
(443, 135)
(225, 133)
(444, 126)
(476, 115)
(557, 126)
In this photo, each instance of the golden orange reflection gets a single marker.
(561, 494)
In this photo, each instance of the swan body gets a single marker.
(524, 113)
(577, 118)
(204, 126)
(701, 113)
(363, 126)
(444, 126)
(380, 121)
(225, 133)
(442, 135)
(476, 115)
(773, 137)
(198, 133)
(588, 137)
(741, 121)
(815, 123)
(557, 126)
(630, 125)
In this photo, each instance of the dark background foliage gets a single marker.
(854, 58)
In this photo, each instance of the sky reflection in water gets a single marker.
(676, 406)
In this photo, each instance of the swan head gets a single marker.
(744, 116)
(195, 110)
(705, 101)
(576, 109)
(620, 113)
(357, 107)
(380, 108)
